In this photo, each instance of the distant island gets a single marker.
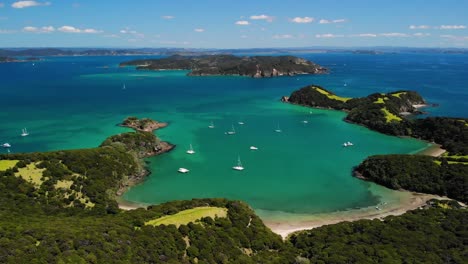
(255, 66)
(11, 59)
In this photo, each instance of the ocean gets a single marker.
(76, 102)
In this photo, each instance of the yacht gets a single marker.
(240, 123)
(239, 166)
(6, 145)
(232, 131)
(349, 143)
(253, 148)
(211, 125)
(278, 129)
(190, 150)
(305, 121)
(183, 170)
(345, 144)
(24, 132)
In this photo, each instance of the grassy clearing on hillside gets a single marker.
(190, 215)
(7, 164)
(389, 116)
(31, 174)
(398, 94)
(331, 96)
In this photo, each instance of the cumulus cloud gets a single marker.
(31, 29)
(242, 23)
(419, 27)
(283, 36)
(70, 29)
(168, 17)
(302, 20)
(328, 36)
(421, 34)
(326, 21)
(393, 34)
(365, 35)
(24, 4)
(262, 17)
(452, 27)
(199, 30)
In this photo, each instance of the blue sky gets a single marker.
(233, 24)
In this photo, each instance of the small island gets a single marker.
(255, 66)
(144, 124)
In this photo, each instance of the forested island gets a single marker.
(255, 66)
(11, 59)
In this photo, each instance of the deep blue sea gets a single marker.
(76, 102)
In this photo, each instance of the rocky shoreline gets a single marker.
(144, 125)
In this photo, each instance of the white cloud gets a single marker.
(70, 29)
(365, 35)
(48, 29)
(132, 32)
(199, 30)
(284, 36)
(111, 36)
(328, 36)
(24, 4)
(452, 27)
(326, 21)
(302, 20)
(262, 17)
(453, 37)
(419, 34)
(242, 23)
(168, 17)
(419, 27)
(394, 34)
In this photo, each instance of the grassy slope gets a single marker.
(188, 216)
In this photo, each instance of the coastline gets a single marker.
(435, 150)
(408, 201)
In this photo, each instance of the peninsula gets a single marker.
(71, 194)
(388, 113)
(255, 66)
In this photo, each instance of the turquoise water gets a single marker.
(74, 102)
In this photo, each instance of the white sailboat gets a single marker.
(232, 131)
(305, 121)
(183, 170)
(278, 129)
(253, 148)
(239, 166)
(6, 145)
(349, 143)
(240, 123)
(211, 125)
(24, 132)
(190, 150)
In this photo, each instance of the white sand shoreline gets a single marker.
(287, 227)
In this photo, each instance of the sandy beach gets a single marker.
(435, 150)
(409, 201)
